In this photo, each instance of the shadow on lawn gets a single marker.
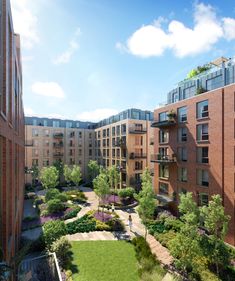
(73, 267)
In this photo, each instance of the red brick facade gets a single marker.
(219, 175)
(11, 136)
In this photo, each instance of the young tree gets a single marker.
(216, 222)
(101, 187)
(49, 177)
(76, 175)
(114, 177)
(146, 198)
(60, 167)
(35, 173)
(93, 169)
(67, 173)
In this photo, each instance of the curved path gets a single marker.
(138, 228)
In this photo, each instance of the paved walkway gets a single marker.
(138, 228)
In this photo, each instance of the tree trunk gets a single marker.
(146, 232)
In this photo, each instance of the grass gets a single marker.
(104, 261)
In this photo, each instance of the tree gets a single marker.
(146, 198)
(67, 173)
(49, 177)
(93, 169)
(189, 208)
(216, 222)
(62, 249)
(101, 186)
(35, 173)
(113, 177)
(60, 168)
(76, 175)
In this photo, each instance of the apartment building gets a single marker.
(11, 136)
(126, 140)
(49, 140)
(194, 137)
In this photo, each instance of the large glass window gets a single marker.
(182, 114)
(182, 174)
(214, 83)
(202, 155)
(56, 124)
(189, 92)
(203, 199)
(163, 116)
(163, 188)
(163, 171)
(202, 109)
(182, 134)
(69, 124)
(163, 136)
(182, 154)
(203, 178)
(202, 132)
(45, 123)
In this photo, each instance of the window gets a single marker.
(189, 92)
(45, 123)
(182, 134)
(34, 162)
(46, 153)
(123, 129)
(163, 151)
(182, 154)
(203, 178)
(80, 134)
(163, 188)
(46, 143)
(214, 83)
(46, 133)
(90, 152)
(138, 165)
(108, 132)
(162, 116)
(34, 122)
(203, 199)
(202, 132)
(202, 109)
(113, 152)
(163, 136)
(104, 133)
(35, 143)
(90, 135)
(35, 133)
(56, 124)
(163, 171)
(182, 114)
(118, 130)
(79, 152)
(35, 152)
(113, 131)
(175, 97)
(182, 174)
(68, 124)
(45, 163)
(202, 155)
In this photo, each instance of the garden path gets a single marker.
(95, 235)
(138, 228)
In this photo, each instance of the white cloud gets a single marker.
(153, 40)
(25, 22)
(66, 56)
(97, 114)
(48, 89)
(28, 111)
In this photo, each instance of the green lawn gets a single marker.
(104, 261)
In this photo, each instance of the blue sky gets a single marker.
(89, 59)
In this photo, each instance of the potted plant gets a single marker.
(171, 115)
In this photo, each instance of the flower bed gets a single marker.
(110, 199)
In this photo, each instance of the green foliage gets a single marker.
(76, 175)
(49, 177)
(55, 206)
(156, 227)
(73, 213)
(69, 275)
(101, 185)
(115, 224)
(165, 238)
(198, 70)
(34, 173)
(188, 208)
(126, 192)
(53, 230)
(76, 196)
(62, 197)
(51, 194)
(67, 173)
(83, 224)
(59, 165)
(113, 177)
(62, 247)
(101, 226)
(93, 169)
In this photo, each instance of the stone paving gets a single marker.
(96, 235)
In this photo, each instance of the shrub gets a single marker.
(173, 224)
(62, 197)
(115, 224)
(72, 213)
(126, 192)
(76, 196)
(53, 230)
(156, 227)
(68, 274)
(51, 194)
(165, 238)
(101, 226)
(83, 224)
(61, 247)
(55, 206)
(142, 248)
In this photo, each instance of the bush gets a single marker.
(61, 247)
(115, 224)
(126, 192)
(76, 196)
(55, 206)
(101, 226)
(83, 224)
(165, 238)
(156, 227)
(51, 194)
(53, 230)
(62, 197)
(142, 248)
(73, 213)
(173, 224)
(69, 275)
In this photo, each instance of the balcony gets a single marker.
(58, 135)
(40, 267)
(29, 143)
(164, 123)
(58, 144)
(158, 158)
(138, 155)
(58, 154)
(137, 130)
(120, 143)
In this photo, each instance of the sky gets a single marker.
(89, 59)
